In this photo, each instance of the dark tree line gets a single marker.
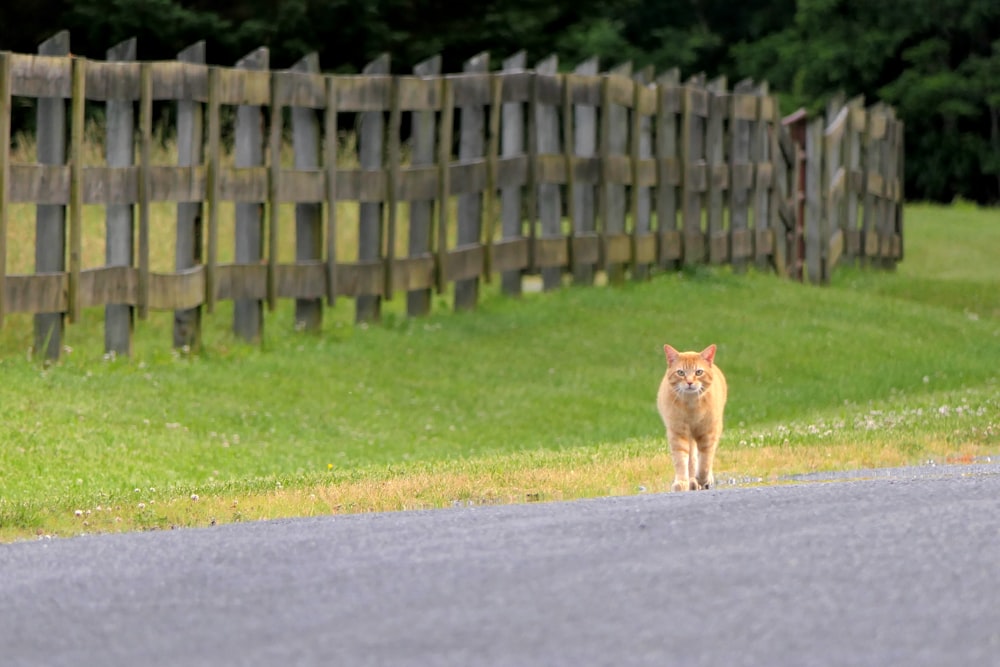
(936, 61)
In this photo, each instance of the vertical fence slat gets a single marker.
(718, 238)
(188, 250)
(444, 180)
(814, 206)
(852, 245)
(640, 149)
(470, 204)
(212, 187)
(371, 134)
(584, 214)
(50, 219)
(145, 182)
(330, 154)
(392, 183)
(693, 155)
(492, 166)
(668, 106)
(306, 147)
(78, 119)
(4, 176)
(512, 145)
(765, 242)
(740, 170)
(119, 144)
(615, 143)
(275, 128)
(418, 301)
(549, 198)
(248, 315)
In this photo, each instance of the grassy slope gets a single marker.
(485, 405)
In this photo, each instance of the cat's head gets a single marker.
(690, 373)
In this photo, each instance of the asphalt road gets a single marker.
(901, 569)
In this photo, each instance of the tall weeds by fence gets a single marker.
(455, 179)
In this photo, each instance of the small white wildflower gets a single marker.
(78, 513)
(194, 496)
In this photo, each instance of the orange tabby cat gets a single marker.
(691, 400)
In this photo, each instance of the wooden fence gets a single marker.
(488, 173)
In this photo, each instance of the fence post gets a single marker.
(470, 205)
(371, 139)
(640, 149)
(309, 216)
(248, 314)
(584, 146)
(418, 301)
(5, 83)
(696, 107)
(614, 141)
(767, 241)
(743, 111)
(188, 248)
(668, 167)
(814, 227)
(512, 145)
(120, 231)
(718, 176)
(855, 177)
(50, 219)
(548, 196)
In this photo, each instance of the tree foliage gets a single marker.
(936, 61)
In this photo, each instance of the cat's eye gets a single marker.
(680, 373)
(699, 372)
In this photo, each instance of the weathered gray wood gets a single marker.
(472, 119)
(696, 107)
(615, 143)
(511, 145)
(641, 149)
(668, 167)
(188, 248)
(5, 106)
(814, 206)
(371, 140)
(77, 127)
(717, 185)
(872, 165)
(248, 313)
(308, 216)
(119, 221)
(212, 188)
(741, 169)
(765, 240)
(50, 220)
(584, 194)
(852, 159)
(418, 301)
(549, 198)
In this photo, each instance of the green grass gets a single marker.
(551, 395)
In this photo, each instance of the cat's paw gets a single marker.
(678, 485)
(695, 486)
(706, 483)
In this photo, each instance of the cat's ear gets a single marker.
(708, 354)
(672, 354)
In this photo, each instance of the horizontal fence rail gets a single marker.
(508, 172)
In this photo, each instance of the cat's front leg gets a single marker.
(685, 457)
(706, 457)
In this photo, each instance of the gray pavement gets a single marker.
(895, 568)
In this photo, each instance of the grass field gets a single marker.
(547, 397)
